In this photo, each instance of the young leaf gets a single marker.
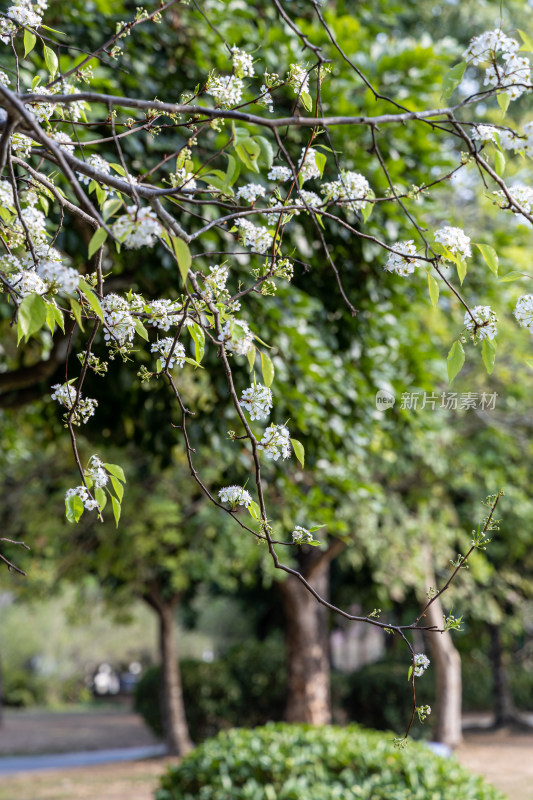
(31, 316)
(92, 299)
(488, 353)
(490, 255)
(299, 451)
(118, 487)
(527, 41)
(250, 355)
(452, 79)
(456, 359)
(366, 211)
(320, 159)
(101, 498)
(141, 330)
(461, 269)
(513, 276)
(116, 509)
(74, 508)
(29, 41)
(50, 317)
(307, 101)
(410, 672)
(97, 240)
(433, 290)
(254, 510)
(183, 256)
(503, 102)
(117, 471)
(499, 163)
(76, 310)
(198, 336)
(59, 318)
(268, 369)
(51, 60)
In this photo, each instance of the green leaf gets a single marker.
(299, 451)
(321, 160)
(456, 359)
(198, 336)
(433, 290)
(97, 240)
(503, 102)
(499, 163)
(117, 471)
(488, 353)
(101, 498)
(188, 361)
(513, 276)
(116, 509)
(110, 206)
(267, 368)
(31, 316)
(366, 211)
(74, 508)
(50, 317)
(254, 510)
(119, 168)
(76, 310)
(59, 318)
(183, 256)
(529, 362)
(141, 330)
(410, 673)
(267, 153)
(452, 79)
(250, 355)
(29, 42)
(233, 170)
(51, 60)
(118, 487)
(307, 101)
(316, 527)
(527, 41)
(461, 268)
(490, 255)
(92, 299)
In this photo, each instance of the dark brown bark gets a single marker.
(503, 706)
(175, 728)
(307, 640)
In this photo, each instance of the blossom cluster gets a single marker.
(97, 472)
(235, 496)
(226, 89)
(485, 326)
(237, 336)
(512, 72)
(118, 319)
(520, 194)
(83, 494)
(307, 166)
(98, 163)
(257, 237)
(455, 240)
(299, 79)
(243, 63)
(524, 312)
(65, 394)
(405, 263)
(163, 347)
(351, 186)
(301, 535)
(137, 228)
(421, 662)
(250, 192)
(257, 399)
(276, 442)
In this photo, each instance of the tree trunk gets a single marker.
(307, 643)
(175, 728)
(447, 664)
(504, 710)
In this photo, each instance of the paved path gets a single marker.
(11, 765)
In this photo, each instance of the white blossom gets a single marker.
(279, 174)
(7, 29)
(484, 317)
(258, 238)
(301, 535)
(243, 64)
(350, 186)
(23, 14)
(5, 80)
(183, 179)
(276, 442)
(217, 278)
(522, 195)
(406, 263)
(250, 192)
(226, 89)
(237, 336)
(511, 72)
(42, 111)
(524, 312)
(235, 496)
(484, 47)
(98, 163)
(97, 472)
(485, 133)
(137, 228)
(65, 394)
(6, 195)
(257, 399)
(64, 141)
(83, 494)
(310, 199)
(307, 166)
(119, 322)
(27, 282)
(299, 79)
(76, 109)
(164, 313)
(163, 347)
(58, 276)
(21, 145)
(421, 664)
(455, 240)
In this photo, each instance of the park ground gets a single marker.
(502, 757)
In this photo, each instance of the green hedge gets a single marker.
(246, 688)
(299, 762)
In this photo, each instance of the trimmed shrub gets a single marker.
(300, 762)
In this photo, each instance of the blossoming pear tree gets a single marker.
(237, 167)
